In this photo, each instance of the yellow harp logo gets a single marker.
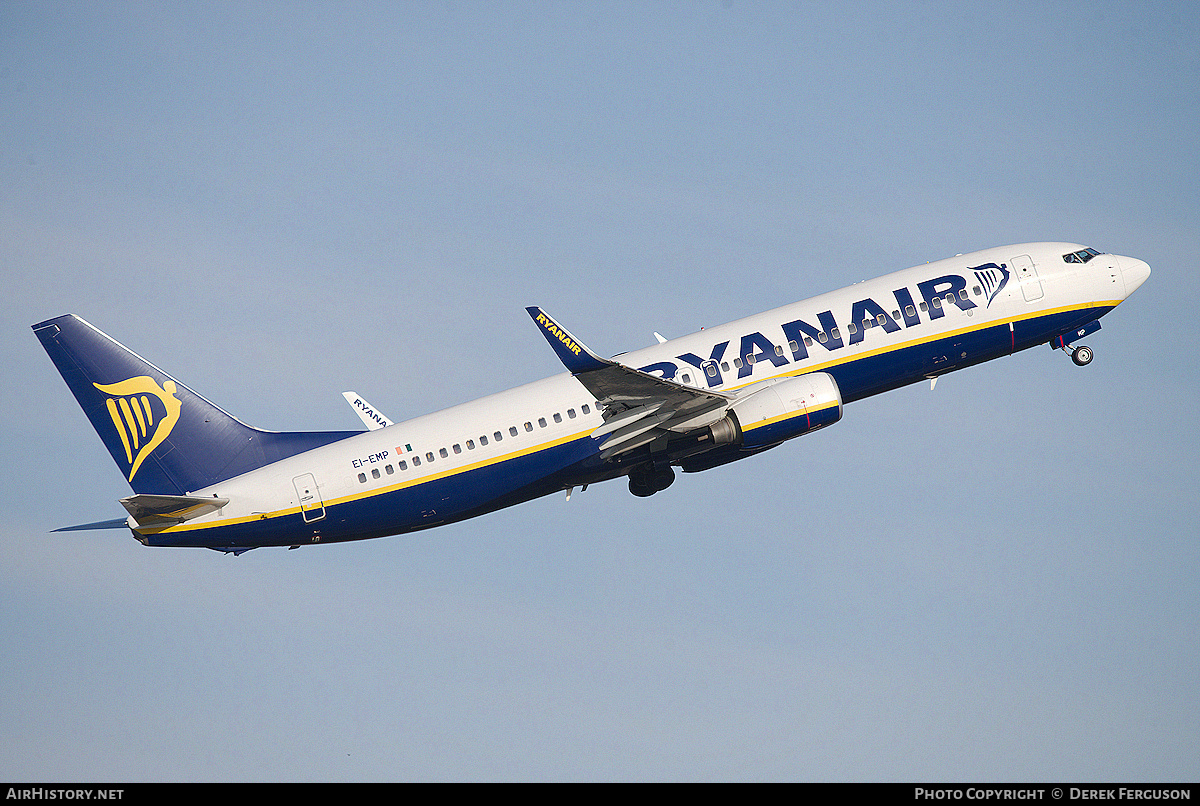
(141, 425)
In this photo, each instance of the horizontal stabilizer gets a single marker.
(115, 523)
(167, 510)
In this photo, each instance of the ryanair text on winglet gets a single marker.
(558, 333)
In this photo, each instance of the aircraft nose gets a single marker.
(1134, 272)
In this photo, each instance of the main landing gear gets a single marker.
(649, 480)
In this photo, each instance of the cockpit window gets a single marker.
(1082, 256)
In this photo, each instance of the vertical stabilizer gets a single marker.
(166, 439)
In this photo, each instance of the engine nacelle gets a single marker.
(788, 408)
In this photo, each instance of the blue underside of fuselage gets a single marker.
(521, 478)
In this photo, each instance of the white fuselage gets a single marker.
(534, 439)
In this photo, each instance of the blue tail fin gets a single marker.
(165, 438)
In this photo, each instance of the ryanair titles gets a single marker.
(558, 333)
(799, 335)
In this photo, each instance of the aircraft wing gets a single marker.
(638, 407)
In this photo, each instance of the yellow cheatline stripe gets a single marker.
(554, 443)
(184, 527)
(803, 412)
(949, 334)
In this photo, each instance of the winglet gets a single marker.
(372, 417)
(574, 355)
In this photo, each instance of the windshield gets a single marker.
(1082, 256)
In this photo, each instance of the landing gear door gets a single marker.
(1031, 285)
(311, 505)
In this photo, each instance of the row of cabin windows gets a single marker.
(823, 337)
(497, 436)
(711, 370)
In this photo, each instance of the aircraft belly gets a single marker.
(874, 374)
(1039, 330)
(202, 478)
(439, 500)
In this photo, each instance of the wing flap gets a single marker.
(635, 429)
(624, 418)
(638, 407)
(632, 443)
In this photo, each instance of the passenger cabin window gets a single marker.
(557, 417)
(585, 409)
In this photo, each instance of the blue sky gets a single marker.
(278, 202)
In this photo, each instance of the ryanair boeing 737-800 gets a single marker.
(203, 478)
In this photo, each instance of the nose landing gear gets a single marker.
(1082, 356)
